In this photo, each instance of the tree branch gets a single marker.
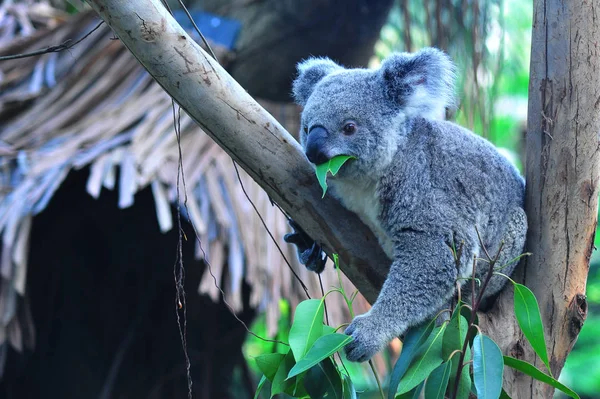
(252, 137)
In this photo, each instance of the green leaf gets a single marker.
(327, 330)
(428, 359)
(464, 384)
(530, 321)
(487, 367)
(437, 382)
(259, 388)
(349, 392)
(454, 338)
(532, 371)
(465, 311)
(410, 347)
(414, 393)
(337, 162)
(324, 347)
(323, 380)
(280, 382)
(307, 326)
(297, 390)
(321, 171)
(504, 395)
(269, 364)
(333, 166)
(455, 334)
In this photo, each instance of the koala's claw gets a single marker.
(366, 339)
(314, 258)
(310, 253)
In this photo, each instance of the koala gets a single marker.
(422, 184)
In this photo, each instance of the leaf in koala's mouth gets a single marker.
(333, 166)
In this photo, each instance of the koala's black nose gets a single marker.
(315, 145)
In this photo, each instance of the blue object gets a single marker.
(223, 31)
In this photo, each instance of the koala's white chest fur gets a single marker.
(361, 198)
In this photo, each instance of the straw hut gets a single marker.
(91, 290)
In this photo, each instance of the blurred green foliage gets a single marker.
(490, 44)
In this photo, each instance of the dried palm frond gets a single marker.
(95, 106)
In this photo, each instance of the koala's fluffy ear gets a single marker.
(421, 83)
(310, 72)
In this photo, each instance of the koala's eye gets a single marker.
(350, 128)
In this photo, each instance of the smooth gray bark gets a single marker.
(277, 34)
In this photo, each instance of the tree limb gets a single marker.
(250, 135)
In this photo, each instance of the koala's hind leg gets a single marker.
(513, 245)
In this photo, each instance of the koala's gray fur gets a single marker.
(421, 184)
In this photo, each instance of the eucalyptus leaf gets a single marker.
(259, 388)
(414, 393)
(530, 321)
(454, 338)
(280, 382)
(427, 360)
(296, 390)
(455, 335)
(410, 347)
(336, 163)
(464, 383)
(328, 329)
(349, 392)
(269, 363)
(466, 312)
(321, 171)
(323, 380)
(323, 347)
(307, 326)
(488, 367)
(532, 371)
(333, 166)
(437, 382)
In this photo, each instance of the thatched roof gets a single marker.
(95, 106)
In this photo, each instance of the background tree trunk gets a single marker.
(562, 185)
(277, 34)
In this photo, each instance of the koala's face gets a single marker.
(347, 114)
(362, 113)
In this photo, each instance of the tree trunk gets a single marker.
(277, 34)
(245, 131)
(562, 185)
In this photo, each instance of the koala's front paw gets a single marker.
(367, 331)
(310, 253)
